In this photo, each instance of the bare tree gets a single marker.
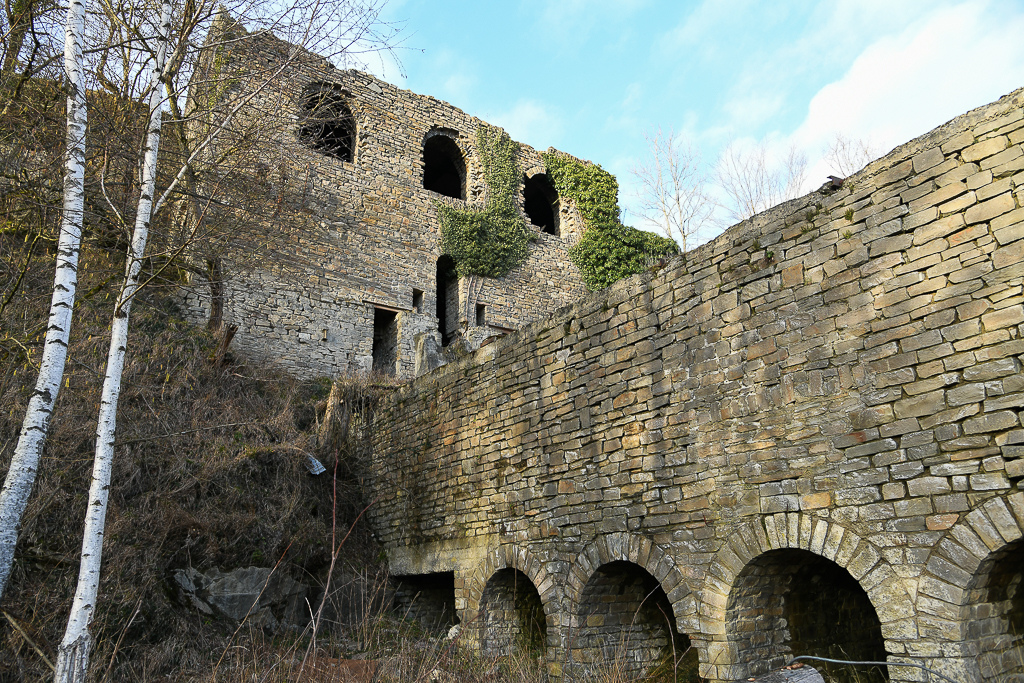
(21, 474)
(73, 654)
(672, 187)
(846, 155)
(118, 43)
(752, 184)
(220, 119)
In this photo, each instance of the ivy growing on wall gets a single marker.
(493, 240)
(608, 250)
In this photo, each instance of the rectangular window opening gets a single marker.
(481, 315)
(385, 341)
(428, 599)
(417, 300)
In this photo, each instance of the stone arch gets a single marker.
(864, 562)
(328, 125)
(971, 593)
(444, 163)
(630, 609)
(522, 560)
(641, 551)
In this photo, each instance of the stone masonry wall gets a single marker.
(839, 375)
(372, 233)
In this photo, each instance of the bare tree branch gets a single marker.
(672, 187)
(752, 185)
(846, 155)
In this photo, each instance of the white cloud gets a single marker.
(904, 85)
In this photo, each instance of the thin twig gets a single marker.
(28, 639)
(187, 431)
(117, 646)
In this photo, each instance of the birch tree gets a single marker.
(353, 24)
(21, 474)
(73, 654)
(672, 187)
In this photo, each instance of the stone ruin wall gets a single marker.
(373, 234)
(834, 383)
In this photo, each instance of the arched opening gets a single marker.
(540, 200)
(792, 602)
(995, 615)
(444, 170)
(447, 298)
(512, 615)
(428, 599)
(328, 125)
(626, 627)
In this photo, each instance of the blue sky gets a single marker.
(590, 76)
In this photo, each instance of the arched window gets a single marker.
(541, 202)
(328, 125)
(444, 170)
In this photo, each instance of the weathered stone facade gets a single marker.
(376, 245)
(819, 410)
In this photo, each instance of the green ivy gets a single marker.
(608, 250)
(493, 240)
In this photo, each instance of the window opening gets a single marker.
(417, 300)
(329, 126)
(540, 200)
(481, 315)
(995, 621)
(444, 170)
(447, 286)
(385, 341)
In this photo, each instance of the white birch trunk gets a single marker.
(73, 654)
(22, 473)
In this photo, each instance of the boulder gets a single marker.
(269, 599)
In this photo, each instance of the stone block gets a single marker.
(990, 422)
(1011, 255)
(925, 404)
(958, 142)
(986, 148)
(815, 500)
(1004, 317)
(928, 486)
(987, 210)
(941, 521)
(927, 159)
(993, 481)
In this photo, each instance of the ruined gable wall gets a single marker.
(842, 371)
(372, 232)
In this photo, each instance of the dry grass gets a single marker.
(210, 472)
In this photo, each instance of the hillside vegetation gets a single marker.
(210, 472)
